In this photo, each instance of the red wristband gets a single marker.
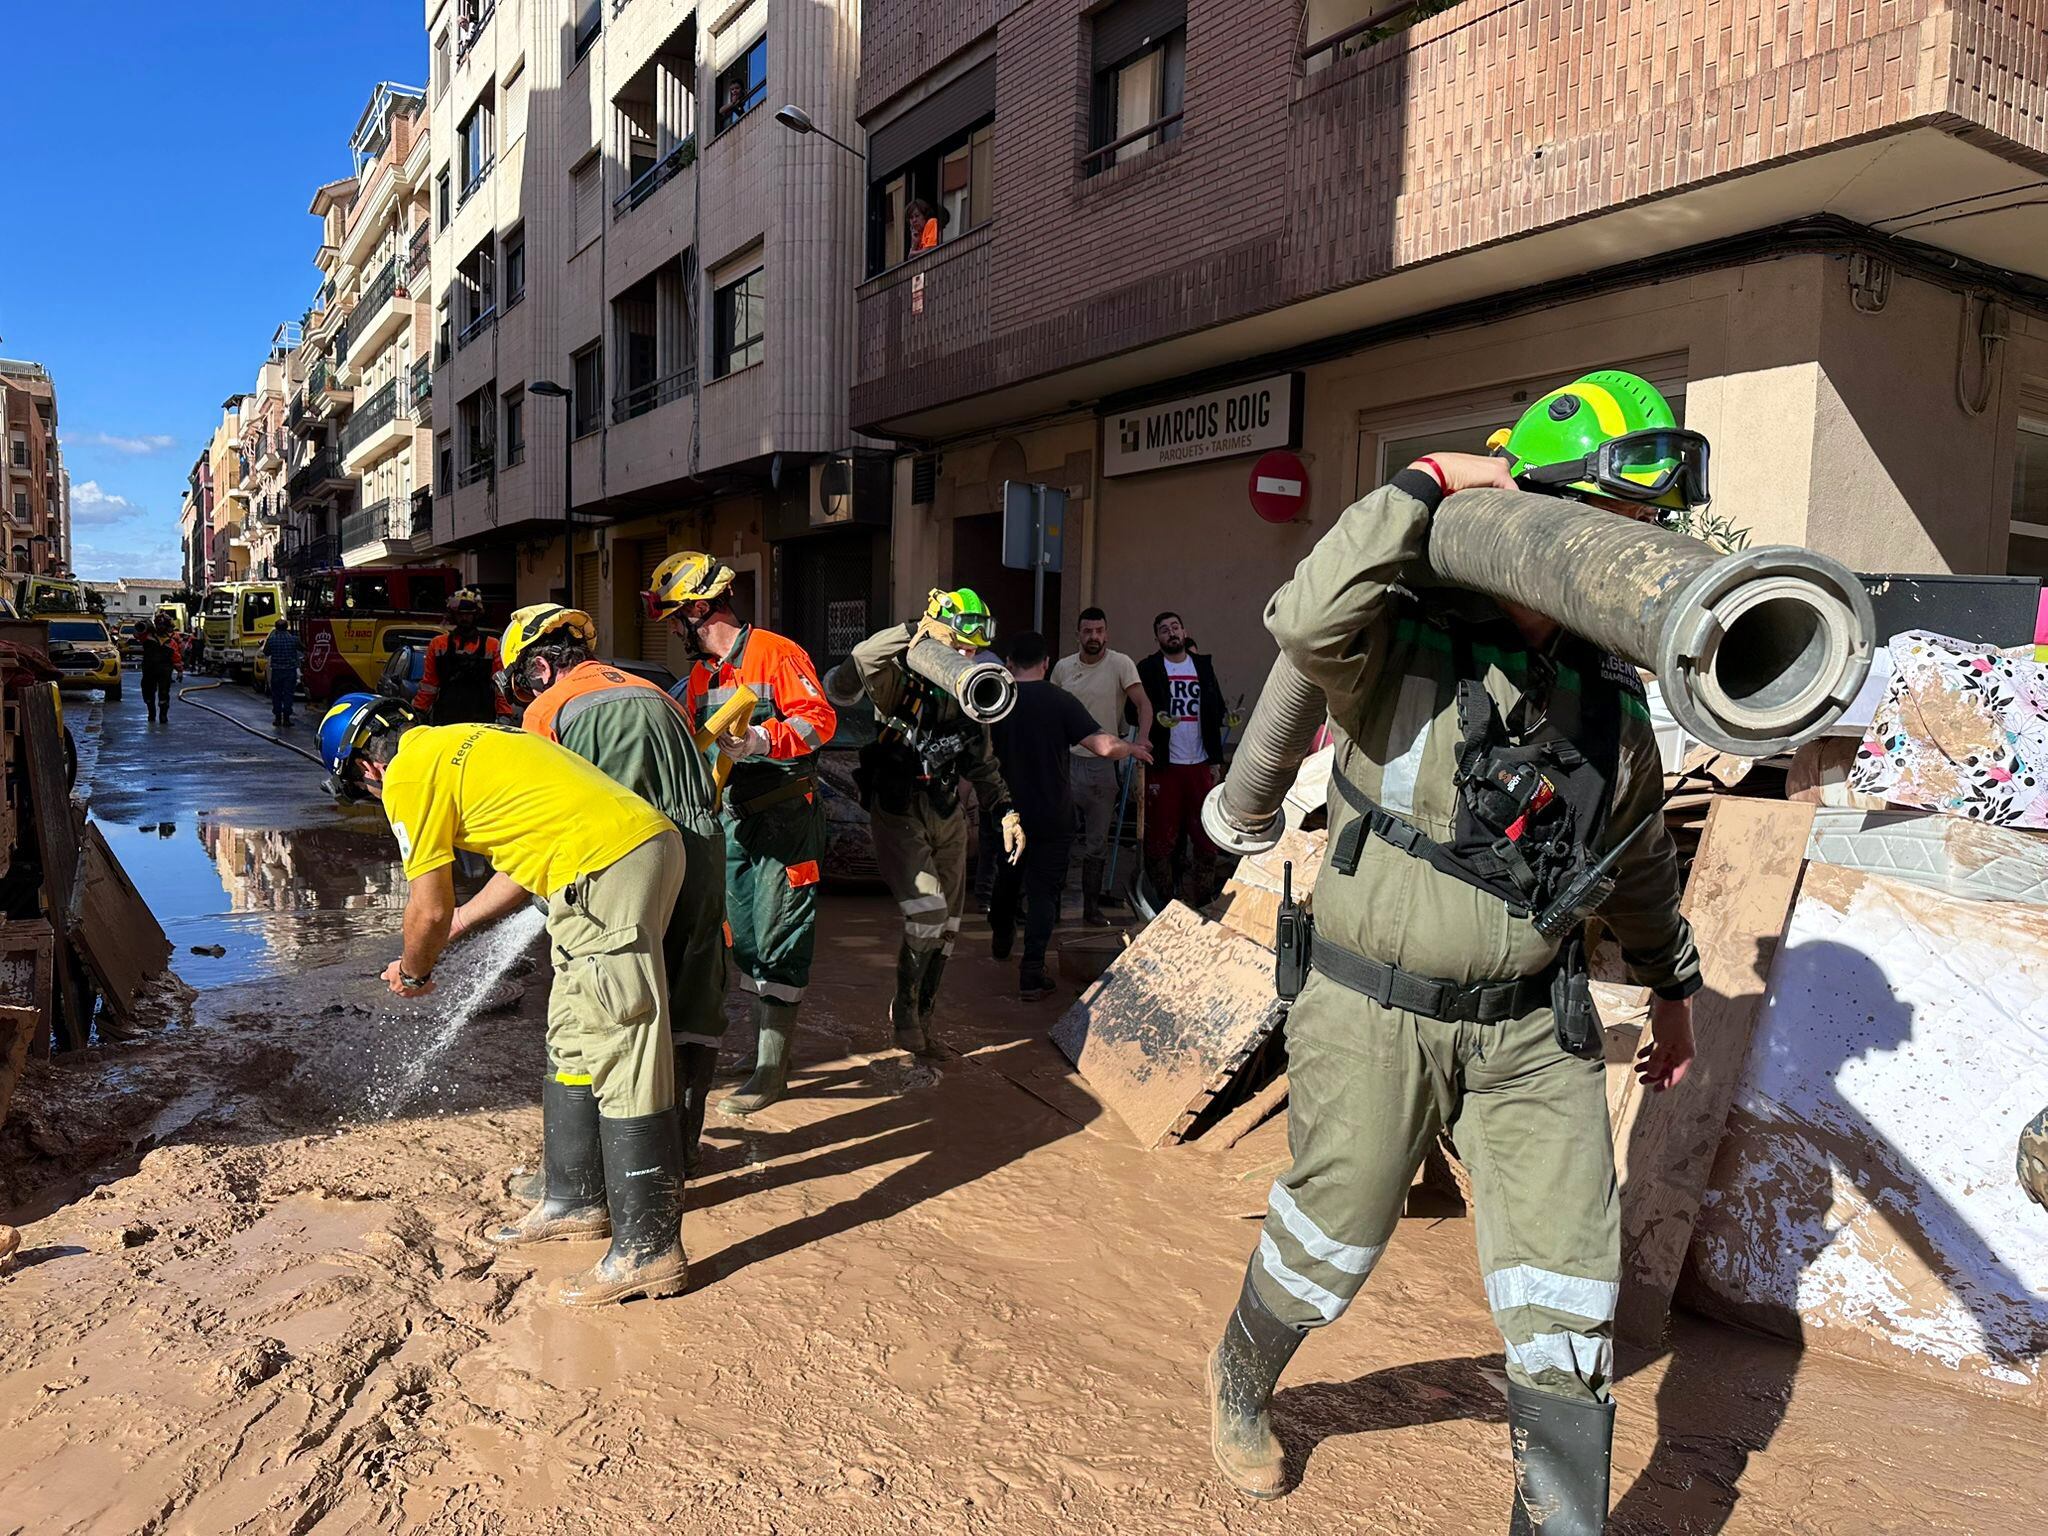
(1443, 481)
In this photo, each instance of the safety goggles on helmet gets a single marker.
(1637, 466)
(977, 629)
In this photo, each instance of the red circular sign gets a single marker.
(1279, 486)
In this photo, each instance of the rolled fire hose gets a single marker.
(984, 689)
(1756, 651)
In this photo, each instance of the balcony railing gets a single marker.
(650, 180)
(643, 398)
(479, 467)
(376, 414)
(316, 472)
(1362, 34)
(314, 555)
(368, 525)
(476, 327)
(423, 513)
(377, 294)
(416, 252)
(476, 180)
(472, 29)
(422, 385)
(316, 380)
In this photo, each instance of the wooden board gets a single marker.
(113, 926)
(1171, 1022)
(18, 1029)
(57, 839)
(1250, 903)
(1738, 900)
(1248, 1116)
(26, 958)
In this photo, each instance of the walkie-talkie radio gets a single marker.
(1293, 937)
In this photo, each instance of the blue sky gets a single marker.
(156, 160)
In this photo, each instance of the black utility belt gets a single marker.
(1486, 1002)
(794, 789)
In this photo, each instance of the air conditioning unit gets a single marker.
(850, 488)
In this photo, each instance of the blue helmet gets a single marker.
(353, 720)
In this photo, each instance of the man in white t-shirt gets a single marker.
(1187, 712)
(1105, 681)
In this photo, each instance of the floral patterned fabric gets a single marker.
(1962, 729)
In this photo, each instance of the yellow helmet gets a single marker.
(465, 599)
(965, 614)
(531, 625)
(688, 576)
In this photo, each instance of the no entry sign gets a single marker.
(1279, 486)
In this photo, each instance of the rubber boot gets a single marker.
(1562, 1447)
(643, 1180)
(1091, 894)
(1243, 1371)
(903, 1018)
(1159, 881)
(695, 1065)
(774, 1023)
(569, 1202)
(927, 1000)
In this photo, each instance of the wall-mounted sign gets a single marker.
(1279, 486)
(1245, 418)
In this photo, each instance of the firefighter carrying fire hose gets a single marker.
(459, 683)
(639, 736)
(1485, 760)
(910, 783)
(774, 819)
(609, 866)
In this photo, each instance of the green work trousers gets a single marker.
(1368, 1089)
(694, 946)
(923, 859)
(771, 895)
(608, 1017)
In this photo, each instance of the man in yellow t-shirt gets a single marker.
(609, 866)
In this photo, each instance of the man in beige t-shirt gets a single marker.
(1104, 681)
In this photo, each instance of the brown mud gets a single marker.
(953, 1299)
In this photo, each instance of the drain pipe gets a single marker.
(1758, 651)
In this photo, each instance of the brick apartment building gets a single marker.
(618, 215)
(35, 490)
(1821, 228)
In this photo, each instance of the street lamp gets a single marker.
(547, 389)
(797, 120)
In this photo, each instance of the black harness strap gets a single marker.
(1487, 1002)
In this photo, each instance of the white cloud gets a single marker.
(154, 442)
(92, 507)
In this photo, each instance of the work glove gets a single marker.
(1013, 835)
(741, 745)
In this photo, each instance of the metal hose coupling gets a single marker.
(843, 687)
(984, 689)
(1756, 651)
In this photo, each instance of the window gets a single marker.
(2026, 549)
(514, 249)
(20, 452)
(738, 319)
(258, 606)
(441, 66)
(515, 426)
(444, 332)
(933, 170)
(444, 457)
(589, 22)
(21, 506)
(586, 182)
(476, 293)
(478, 147)
(1140, 60)
(442, 207)
(742, 84)
(474, 420)
(586, 410)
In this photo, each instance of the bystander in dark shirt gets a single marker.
(1031, 743)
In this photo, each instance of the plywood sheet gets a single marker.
(1737, 900)
(1171, 1021)
(1864, 1198)
(114, 927)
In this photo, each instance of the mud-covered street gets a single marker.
(252, 1295)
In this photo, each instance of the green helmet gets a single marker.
(1609, 433)
(964, 613)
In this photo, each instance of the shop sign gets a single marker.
(1245, 418)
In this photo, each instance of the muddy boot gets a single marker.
(1091, 894)
(774, 1023)
(1561, 1447)
(927, 1000)
(694, 1067)
(1255, 1349)
(569, 1197)
(909, 1034)
(644, 1186)
(1159, 882)
(1032, 982)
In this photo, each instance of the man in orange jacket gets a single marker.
(774, 820)
(459, 685)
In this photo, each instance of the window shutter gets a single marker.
(1126, 27)
(935, 119)
(589, 202)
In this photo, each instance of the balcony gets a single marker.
(269, 455)
(417, 252)
(471, 28)
(325, 390)
(423, 513)
(651, 180)
(376, 430)
(384, 310)
(318, 554)
(423, 391)
(476, 327)
(378, 532)
(643, 398)
(318, 478)
(481, 466)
